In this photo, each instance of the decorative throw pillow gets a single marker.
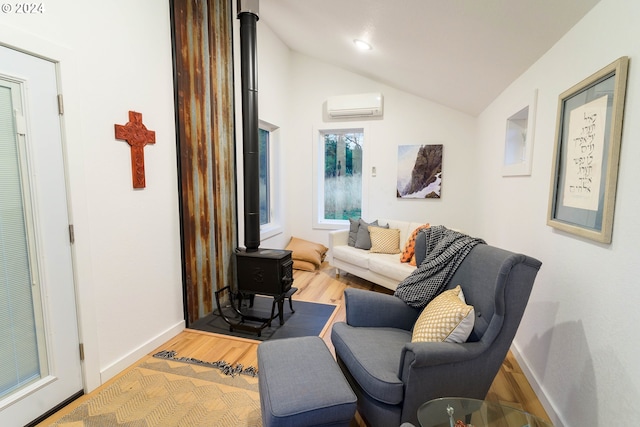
(354, 225)
(304, 265)
(384, 240)
(447, 318)
(363, 241)
(410, 246)
(304, 250)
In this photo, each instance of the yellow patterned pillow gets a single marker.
(447, 318)
(384, 240)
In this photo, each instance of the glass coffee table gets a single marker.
(459, 412)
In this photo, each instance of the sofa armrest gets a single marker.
(338, 238)
(372, 309)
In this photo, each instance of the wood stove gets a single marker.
(264, 272)
(257, 270)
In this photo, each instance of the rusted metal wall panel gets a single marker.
(203, 62)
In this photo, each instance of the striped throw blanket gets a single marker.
(446, 249)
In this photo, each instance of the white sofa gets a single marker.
(383, 269)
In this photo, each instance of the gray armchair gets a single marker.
(392, 376)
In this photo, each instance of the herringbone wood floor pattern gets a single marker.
(509, 387)
(166, 393)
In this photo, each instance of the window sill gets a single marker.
(269, 230)
(330, 224)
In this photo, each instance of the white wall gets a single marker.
(292, 91)
(578, 339)
(407, 120)
(114, 57)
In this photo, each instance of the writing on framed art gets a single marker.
(586, 154)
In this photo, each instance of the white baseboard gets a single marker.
(537, 388)
(123, 363)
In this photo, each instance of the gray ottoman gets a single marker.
(301, 385)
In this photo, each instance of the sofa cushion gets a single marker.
(388, 265)
(372, 356)
(447, 318)
(363, 241)
(354, 256)
(384, 240)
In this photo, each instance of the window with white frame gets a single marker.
(268, 179)
(339, 177)
(264, 176)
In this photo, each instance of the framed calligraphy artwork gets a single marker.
(586, 154)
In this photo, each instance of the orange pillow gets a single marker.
(410, 246)
(304, 250)
(303, 265)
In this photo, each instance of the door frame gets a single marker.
(70, 125)
(38, 138)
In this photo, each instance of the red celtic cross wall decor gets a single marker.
(137, 135)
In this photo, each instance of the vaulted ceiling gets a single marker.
(458, 53)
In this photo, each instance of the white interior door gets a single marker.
(40, 363)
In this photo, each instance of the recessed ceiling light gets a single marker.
(362, 45)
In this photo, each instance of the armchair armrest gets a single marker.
(425, 354)
(372, 309)
(429, 370)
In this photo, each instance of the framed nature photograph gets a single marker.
(587, 150)
(419, 171)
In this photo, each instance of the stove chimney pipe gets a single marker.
(248, 16)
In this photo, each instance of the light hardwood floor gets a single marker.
(509, 387)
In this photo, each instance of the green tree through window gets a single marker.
(263, 156)
(342, 174)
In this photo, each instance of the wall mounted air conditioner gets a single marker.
(356, 105)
